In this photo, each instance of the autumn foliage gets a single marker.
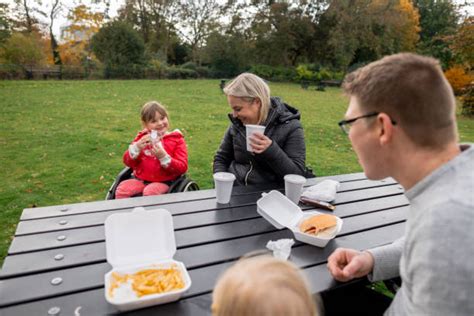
(458, 78)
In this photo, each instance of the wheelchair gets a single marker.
(181, 184)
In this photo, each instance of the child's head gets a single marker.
(262, 285)
(155, 117)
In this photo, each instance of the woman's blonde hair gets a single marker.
(149, 110)
(262, 285)
(249, 87)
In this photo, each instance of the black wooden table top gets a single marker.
(66, 243)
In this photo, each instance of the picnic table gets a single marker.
(56, 262)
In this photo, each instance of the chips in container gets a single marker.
(281, 212)
(140, 246)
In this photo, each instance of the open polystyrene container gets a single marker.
(140, 240)
(281, 212)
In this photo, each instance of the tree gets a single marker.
(53, 13)
(120, 48)
(438, 19)
(5, 29)
(83, 24)
(364, 30)
(198, 19)
(284, 35)
(25, 19)
(23, 49)
(227, 55)
(155, 20)
(462, 43)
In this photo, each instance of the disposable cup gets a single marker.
(294, 187)
(250, 130)
(223, 182)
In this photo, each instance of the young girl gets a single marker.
(262, 285)
(156, 155)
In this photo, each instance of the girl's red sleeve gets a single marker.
(127, 159)
(179, 158)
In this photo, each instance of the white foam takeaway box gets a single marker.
(140, 240)
(281, 212)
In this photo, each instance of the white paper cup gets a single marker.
(294, 187)
(250, 130)
(223, 181)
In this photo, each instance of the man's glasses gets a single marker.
(345, 125)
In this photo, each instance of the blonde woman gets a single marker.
(280, 150)
(263, 285)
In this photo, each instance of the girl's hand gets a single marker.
(259, 143)
(158, 150)
(143, 142)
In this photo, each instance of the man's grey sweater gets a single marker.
(435, 258)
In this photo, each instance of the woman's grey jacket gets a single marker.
(286, 154)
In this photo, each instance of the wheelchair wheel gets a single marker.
(184, 185)
(191, 186)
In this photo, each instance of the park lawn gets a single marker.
(62, 141)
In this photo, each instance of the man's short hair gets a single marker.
(413, 91)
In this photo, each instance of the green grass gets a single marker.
(62, 141)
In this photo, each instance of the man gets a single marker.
(401, 122)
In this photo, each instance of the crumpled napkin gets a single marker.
(323, 191)
(281, 248)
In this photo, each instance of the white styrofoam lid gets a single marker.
(139, 236)
(279, 209)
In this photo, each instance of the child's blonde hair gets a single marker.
(262, 285)
(149, 110)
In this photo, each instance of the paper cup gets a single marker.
(223, 182)
(249, 130)
(294, 187)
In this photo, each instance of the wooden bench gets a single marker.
(44, 72)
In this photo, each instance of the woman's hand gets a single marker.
(259, 143)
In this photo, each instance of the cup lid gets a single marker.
(295, 178)
(279, 210)
(224, 176)
(139, 236)
(255, 126)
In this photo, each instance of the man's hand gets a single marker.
(259, 142)
(347, 264)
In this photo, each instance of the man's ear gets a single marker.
(386, 128)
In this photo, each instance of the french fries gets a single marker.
(149, 281)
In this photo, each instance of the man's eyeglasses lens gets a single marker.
(346, 124)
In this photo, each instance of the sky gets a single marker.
(116, 4)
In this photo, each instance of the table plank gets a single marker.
(95, 252)
(88, 207)
(51, 240)
(97, 218)
(205, 278)
(194, 258)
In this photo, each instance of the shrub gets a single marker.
(468, 101)
(458, 79)
(274, 73)
(263, 71)
(303, 73)
(203, 72)
(189, 65)
(179, 73)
